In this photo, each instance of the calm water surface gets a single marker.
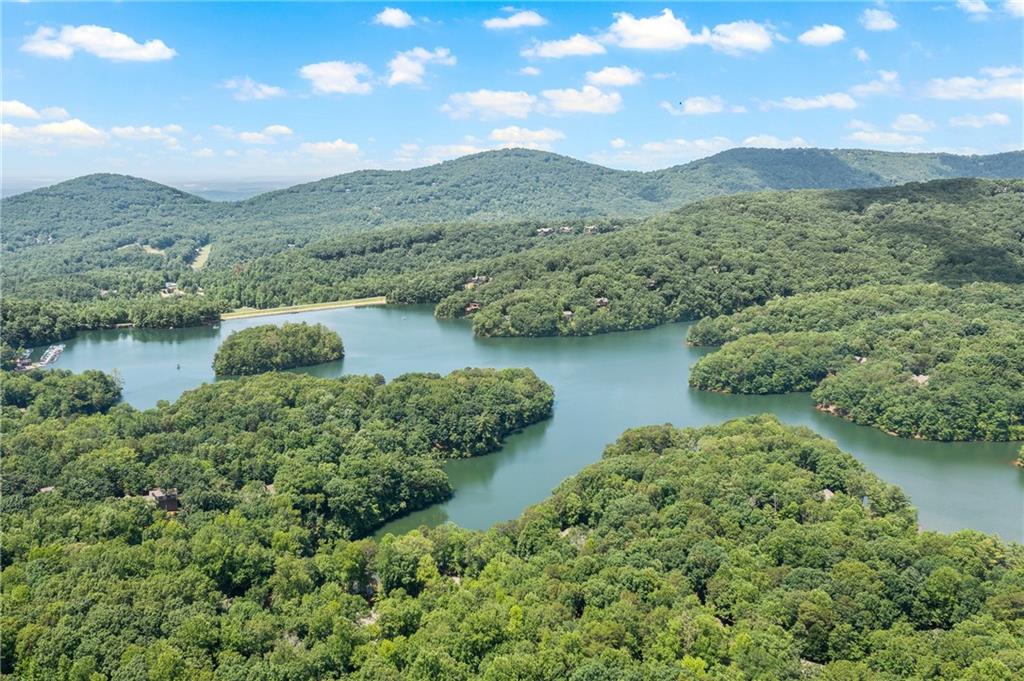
(603, 385)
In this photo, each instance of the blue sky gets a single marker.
(216, 92)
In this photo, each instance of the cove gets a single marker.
(603, 385)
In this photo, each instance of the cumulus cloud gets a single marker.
(588, 99)
(885, 139)
(578, 45)
(515, 136)
(663, 153)
(487, 104)
(773, 142)
(887, 83)
(667, 32)
(523, 19)
(13, 108)
(861, 55)
(1014, 7)
(338, 147)
(615, 76)
(617, 143)
(72, 132)
(139, 133)
(822, 35)
(878, 20)
(329, 77)
(246, 89)
(409, 67)
(912, 123)
(529, 71)
(974, 8)
(868, 134)
(834, 100)
(268, 135)
(96, 40)
(999, 83)
(696, 106)
(394, 17)
(976, 121)
(205, 152)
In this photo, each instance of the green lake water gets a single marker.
(603, 385)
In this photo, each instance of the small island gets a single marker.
(269, 347)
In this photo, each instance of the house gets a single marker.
(165, 499)
(44, 490)
(860, 360)
(567, 314)
(475, 281)
(545, 231)
(171, 286)
(566, 229)
(471, 308)
(602, 301)
(590, 229)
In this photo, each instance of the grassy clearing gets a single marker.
(202, 256)
(245, 312)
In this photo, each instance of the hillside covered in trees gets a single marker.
(922, 361)
(748, 550)
(122, 228)
(269, 347)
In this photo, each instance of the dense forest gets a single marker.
(749, 550)
(713, 257)
(922, 361)
(269, 347)
(354, 451)
(112, 230)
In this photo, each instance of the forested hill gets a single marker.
(89, 218)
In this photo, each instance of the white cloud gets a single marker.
(773, 142)
(147, 132)
(822, 35)
(1002, 71)
(342, 77)
(1003, 83)
(861, 54)
(12, 108)
(663, 153)
(96, 40)
(338, 147)
(975, 121)
(912, 123)
(834, 100)
(72, 132)
(589, 99)
(1014, 7)
(529, 71)
(409, 67)
(247, 89)
(55, 113)
(267, 135)
(696, 106)
(515, 136)
(578, 45)
(617, 143)
(666, 32)
(974, 8)
(885, 139)
(615, 76)
(490, 104)
(887, 83)
(393, 17)
(415, 155)
(878, 20)
(205, 152)
(527, 18)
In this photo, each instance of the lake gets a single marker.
(603, 385)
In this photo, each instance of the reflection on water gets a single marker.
(603, 385)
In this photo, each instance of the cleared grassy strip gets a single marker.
(201, 257)
(243, 313)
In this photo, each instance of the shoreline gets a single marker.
(246, 313)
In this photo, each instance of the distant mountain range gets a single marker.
(95, 215)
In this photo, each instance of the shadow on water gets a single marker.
(603, 385)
